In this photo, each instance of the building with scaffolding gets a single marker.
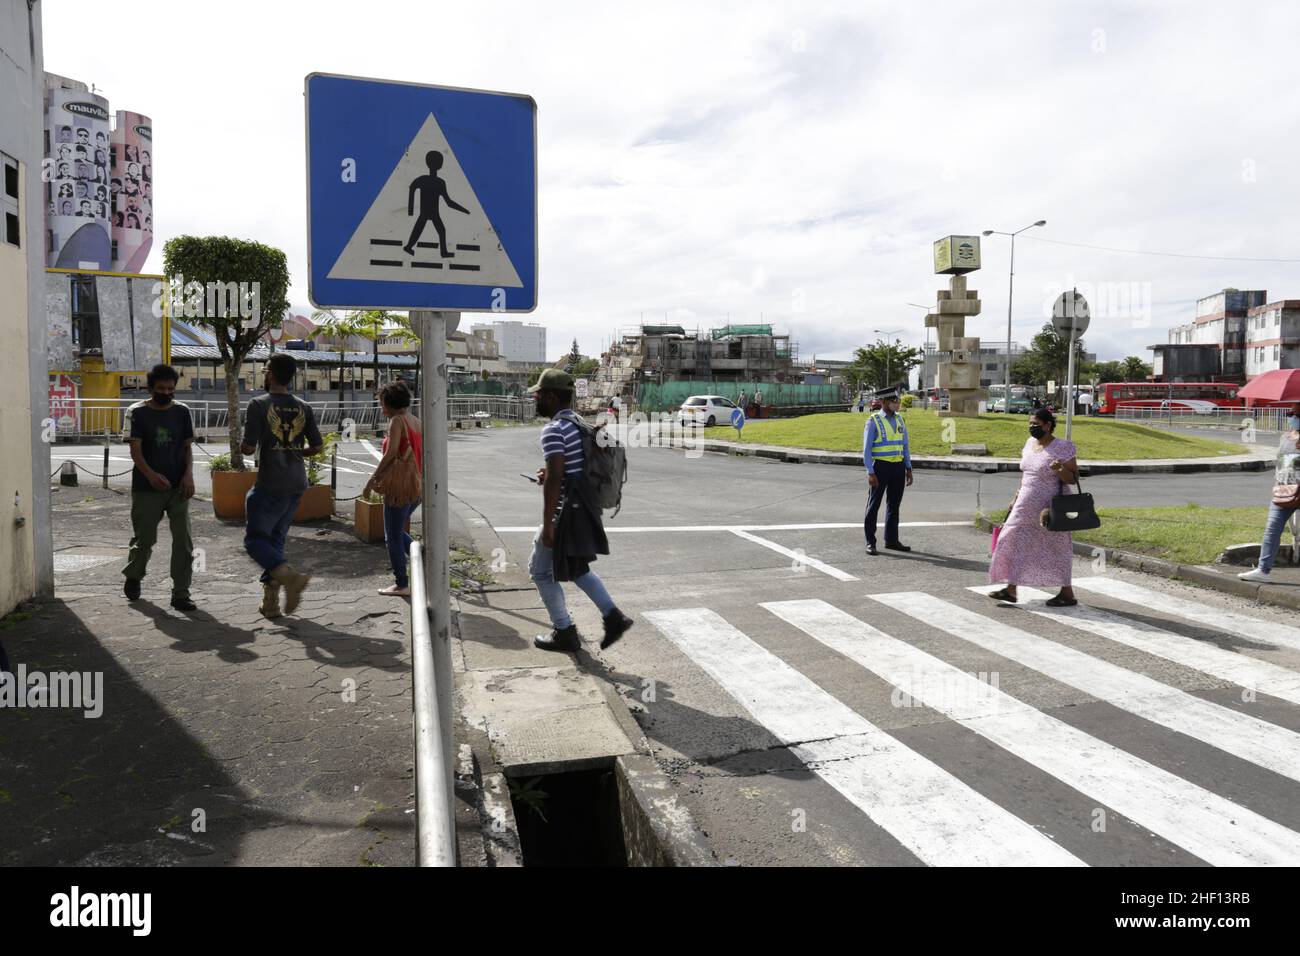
(721, 360)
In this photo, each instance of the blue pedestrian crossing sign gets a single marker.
(737, 419)
(420, 197)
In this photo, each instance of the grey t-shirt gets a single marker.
(281, 426)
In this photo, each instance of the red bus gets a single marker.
(1155, 394)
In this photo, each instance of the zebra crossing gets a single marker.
(910, 648)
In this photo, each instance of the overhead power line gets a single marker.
(1144, 252)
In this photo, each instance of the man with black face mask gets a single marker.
(161, 434)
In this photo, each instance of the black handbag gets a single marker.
(1072, 512)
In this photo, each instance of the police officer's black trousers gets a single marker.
(891, 479)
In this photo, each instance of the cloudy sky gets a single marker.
(789, 161)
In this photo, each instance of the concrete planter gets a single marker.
(228, 491)
(317, 504)
(368, 521)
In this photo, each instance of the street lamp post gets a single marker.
(1011, 285)
(925, 365)
(888, 350)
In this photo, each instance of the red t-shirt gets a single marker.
(410, 438)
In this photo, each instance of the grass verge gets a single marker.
(1188, 534)
(1005, 437)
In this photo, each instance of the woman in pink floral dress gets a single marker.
(1027, 553)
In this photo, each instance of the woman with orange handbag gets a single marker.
(398, 478)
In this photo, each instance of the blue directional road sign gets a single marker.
(420, 197)
(737, 420)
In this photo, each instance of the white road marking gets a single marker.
(370, 447)
(1266, 745)
(935, 815)
(798, 556)
(1263, 677)
(1220, 619)
(520, 529)
(1212, 827)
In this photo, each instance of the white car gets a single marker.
(706, 410)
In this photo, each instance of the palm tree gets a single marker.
(372, 324)
(1135, 370)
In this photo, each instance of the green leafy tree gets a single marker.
(586, 367)
(1109, 371)
(575, 357)
(220, 259)
(882, 364)
(1047, 359)
(1135, 370)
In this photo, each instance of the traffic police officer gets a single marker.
(889, 469)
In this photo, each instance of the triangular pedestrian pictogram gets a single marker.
(426, 225)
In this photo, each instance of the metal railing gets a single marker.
(435, 813)
(1262, 419)
(100, 419)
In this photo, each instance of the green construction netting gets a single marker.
(741, 330)
(654, 397)
(476, 387)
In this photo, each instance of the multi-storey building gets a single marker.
(517, 341)
(1220, 322)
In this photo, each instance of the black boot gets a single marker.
(559, 639)
(616, 623)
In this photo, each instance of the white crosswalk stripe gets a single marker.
(1214, 828)
(1221, 619)
(935, 815)
(1250, 738)
(1263, 677)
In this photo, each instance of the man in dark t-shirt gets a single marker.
(162, 483)
(282, 430)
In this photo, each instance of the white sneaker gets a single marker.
(394, 591)
(1254, 574)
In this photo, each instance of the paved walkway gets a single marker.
(224, 738)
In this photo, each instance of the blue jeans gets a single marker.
(541, 568)
(268, 517)
(398, 541)
(1277, 519)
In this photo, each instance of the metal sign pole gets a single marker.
(433, 420)
(1069, 388)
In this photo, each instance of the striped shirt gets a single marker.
(562, 437)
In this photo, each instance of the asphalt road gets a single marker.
(816, 706)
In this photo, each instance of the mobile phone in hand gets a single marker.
(532, 478)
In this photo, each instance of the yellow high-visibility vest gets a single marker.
(889, 442)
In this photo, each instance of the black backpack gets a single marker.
(605, 465)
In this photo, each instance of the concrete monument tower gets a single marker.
(959, 369)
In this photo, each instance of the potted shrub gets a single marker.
(318, 501)
(369, 518)
(229, 487)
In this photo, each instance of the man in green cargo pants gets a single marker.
(161, 434)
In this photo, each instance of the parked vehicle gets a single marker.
(706, 410)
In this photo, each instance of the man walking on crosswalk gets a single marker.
(889, 469)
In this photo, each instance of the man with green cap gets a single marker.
(569, 516)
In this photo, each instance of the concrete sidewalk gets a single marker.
(225, 738)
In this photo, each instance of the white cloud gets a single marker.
(789, 160)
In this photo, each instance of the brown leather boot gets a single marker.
(294, 584)
(270, 601)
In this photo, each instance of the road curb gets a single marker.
(1175, 466)
(1186, 573)
(657, 829)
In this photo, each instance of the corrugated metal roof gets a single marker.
(309, 358)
